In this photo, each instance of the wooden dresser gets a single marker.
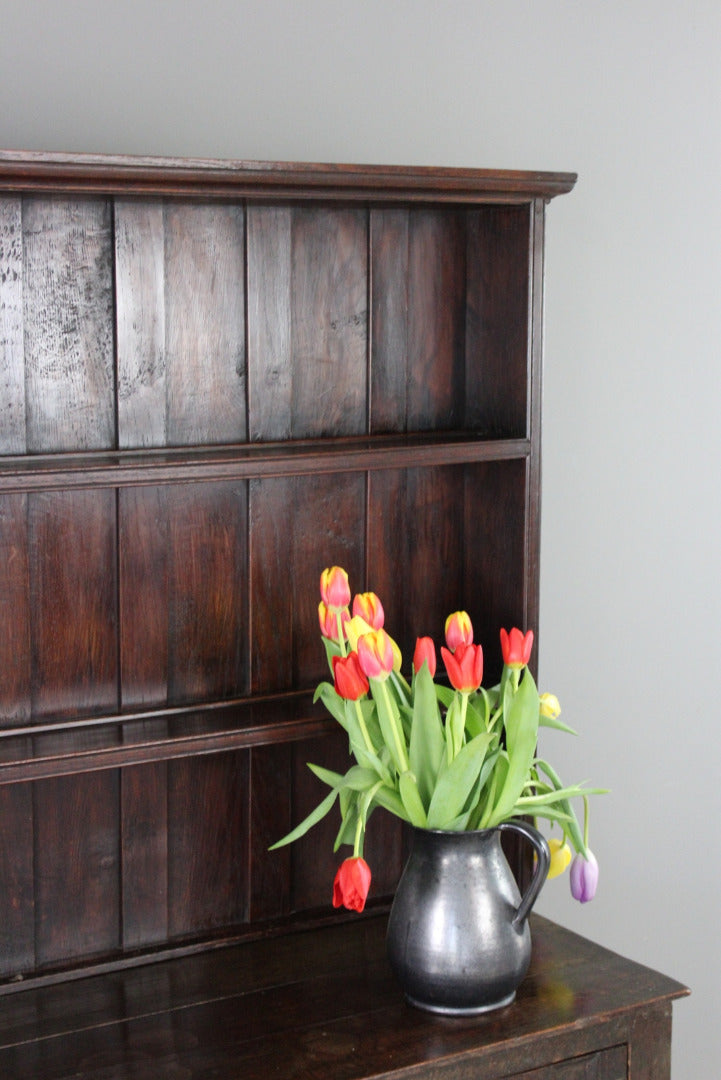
(218, 378)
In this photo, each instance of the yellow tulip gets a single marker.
(560, 856)
(550, 706)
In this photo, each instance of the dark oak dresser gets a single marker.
(218, 378)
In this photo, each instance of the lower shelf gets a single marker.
(324, 1003)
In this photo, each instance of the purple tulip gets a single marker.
(584, 877)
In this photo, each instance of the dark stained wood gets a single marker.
(325, 1003)
(37, 171)
(12, 360)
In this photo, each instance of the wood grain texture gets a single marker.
(15, 613)
(389, 319)
(68, 324)
(12, 355)
(329, 317)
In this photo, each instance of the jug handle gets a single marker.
(543, 862)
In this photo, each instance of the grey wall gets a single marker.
(628, 93)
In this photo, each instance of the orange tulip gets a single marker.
(464, 667)
(334, 587)
(516, 647)
(459, 630)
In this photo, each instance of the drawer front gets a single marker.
(610, 1064)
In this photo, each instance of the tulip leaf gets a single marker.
(333, 702)
(357, 778)
(390, 800)
(412, 800)
(456, 783)
(313, 818)
(427, 743)
(558, 725)
(521, 726)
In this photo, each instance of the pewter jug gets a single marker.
(458, 936)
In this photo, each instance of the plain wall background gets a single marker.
(628, 93)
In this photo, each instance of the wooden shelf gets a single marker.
(134, 468)
(157, 735)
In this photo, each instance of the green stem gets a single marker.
(358, 842)
(341, 637)
(393, 721)
(364, 730)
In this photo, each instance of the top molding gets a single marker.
(111, 174)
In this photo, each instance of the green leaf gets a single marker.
(427, 743)
(558, 725)
(313, 818)
(333, 702)
(391, 801)
(521, 726)
(357, 778)
(456, 783)
(412, 800)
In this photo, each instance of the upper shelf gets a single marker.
(133, 468)
(99, 173)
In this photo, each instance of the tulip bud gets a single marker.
(550, 707)
(516, 647)
(350, 682)
(334, 587)
(369, 607)
(464, 667)
(351, 885)
(459, 630)
(584, 877)
(375, 654)
(425, 650)
(560, 856)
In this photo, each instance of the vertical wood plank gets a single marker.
(329, 317)
(68, 324)
(436, 316)
(493, 571)
(328, 530)
(15, 663)
(17, 891)
(208, 843)
(272, 584)
(497, 321)
(208, 589)
(144, 853)
(144, 596)
(12, 353)
(389, 552)
(140, 304)
(77, 867)
(73, 590)
(270, 371)
(271, 819)
(389, 319)
(205, 323)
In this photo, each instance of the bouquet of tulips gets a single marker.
(437, 756)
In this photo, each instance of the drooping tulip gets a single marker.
(375, 654)
(351, 885)
(550, 707)
(369, 607)
(584, 877)
(334, 587)
(425, 650)
(560, 856)
(459, 630)
(350, 682)
(516, 647)
(464, 667)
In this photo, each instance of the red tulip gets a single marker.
(334, 587)
(375, 654)
(425, 650)
(350, 682)
(351, 885)
(464, 667)
(369, 607)
(516, 647)
(328, 619)
(459, 630)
